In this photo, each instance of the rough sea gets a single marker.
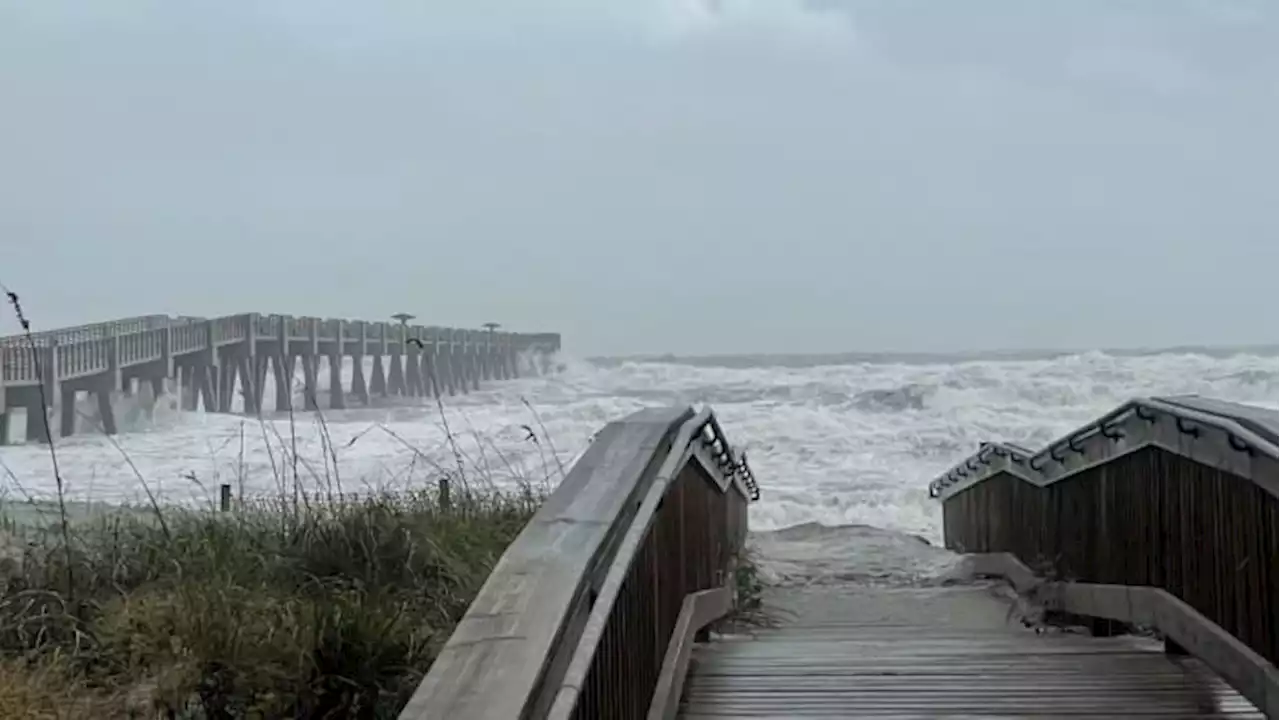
(843, 446)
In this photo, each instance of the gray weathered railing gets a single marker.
(1162, 512)
(588, 608)
(93, 331)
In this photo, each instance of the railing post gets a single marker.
(282, 365)
(52, 355)
(473, 357)
(166, 349)
(112, 343)
(207, 373)
(4, 408)
(359, 386)
(310, 364)
(210, 343)
(517, 347)
(39, 426)
(436, 367)
(250, 321)
(337, 357)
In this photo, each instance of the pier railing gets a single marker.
(93, 331)
(590, 613)
(1162, 512)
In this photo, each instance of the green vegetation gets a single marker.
(749, 609)
(275, 610)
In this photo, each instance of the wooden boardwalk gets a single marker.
(852, 652)
(1160, 516)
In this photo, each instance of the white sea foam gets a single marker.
(850, 445)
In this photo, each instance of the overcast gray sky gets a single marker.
(652, 175)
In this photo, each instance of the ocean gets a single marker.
(843, 446)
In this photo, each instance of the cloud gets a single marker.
(405, 149)
(1131, 68)
(788, 20)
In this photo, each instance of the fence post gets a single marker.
(444, 493)
(224, 497)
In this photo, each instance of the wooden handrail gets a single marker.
(1171, 498)
(1234, 443)
(1245, 670)
(576, 617)
(698, 610)
(566, 698)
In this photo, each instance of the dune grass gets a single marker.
(334, 611)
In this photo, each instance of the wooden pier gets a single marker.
(208, 361)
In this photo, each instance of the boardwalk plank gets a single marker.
(940, 652)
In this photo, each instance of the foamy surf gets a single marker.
(814, 554)
(843, 447)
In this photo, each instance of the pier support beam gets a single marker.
(378, 383)
(412, 370)
(67, 413)
(337, 395)
(358, 387)
(282, 372)
(37, 422)
(309, 382)
(106, 413)
(395, 378)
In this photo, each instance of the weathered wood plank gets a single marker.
(698, 610)
(1235, 662)
(941, 652)
(492, 666)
